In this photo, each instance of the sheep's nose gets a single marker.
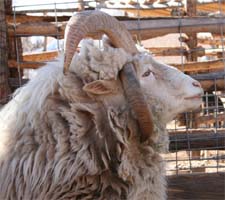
(196, 84)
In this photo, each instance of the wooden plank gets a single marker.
(212, 7)
(209, 76)
(209, 85)
(166, 51)
(197, 139)
(38, 28)
(178, 51)
(196, 187)
(25, 65)
(211, 80)
(158, 27)
(50, 8)
(191, 10)
(40, 57)
(156, 12)
(196, 67)
(23, 18)
(146, 28)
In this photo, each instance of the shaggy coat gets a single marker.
(58, 140)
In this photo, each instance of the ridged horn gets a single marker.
(137, 100)
(84, 23)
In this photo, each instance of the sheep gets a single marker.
(95, 128)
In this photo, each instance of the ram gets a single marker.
(96, 130)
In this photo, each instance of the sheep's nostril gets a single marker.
(196, 84)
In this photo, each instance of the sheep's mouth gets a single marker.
(195, 97)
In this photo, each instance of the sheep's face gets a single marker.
(168, 87)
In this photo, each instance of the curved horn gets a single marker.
(136, 99)
(84, 23)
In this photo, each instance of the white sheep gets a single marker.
(95, 131)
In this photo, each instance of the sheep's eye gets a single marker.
(147, 73)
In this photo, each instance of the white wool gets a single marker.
(95, 64)
(29, 99)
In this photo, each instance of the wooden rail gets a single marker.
(146, 28)
(25, 65)
(33, 60)
(196, 67)
(197, 140)
(209, 85)
(196, 187)
(40, 56)
(23, 18)
(178, 51)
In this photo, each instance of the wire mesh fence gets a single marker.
(197, 138)
(203, 126)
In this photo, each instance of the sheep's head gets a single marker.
(168, 87)
(143, 80)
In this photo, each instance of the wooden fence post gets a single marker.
(4, 86)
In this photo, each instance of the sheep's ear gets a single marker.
(101, 87)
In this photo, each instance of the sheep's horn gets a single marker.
(87, 22)
(84, 23)
(137, 100)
